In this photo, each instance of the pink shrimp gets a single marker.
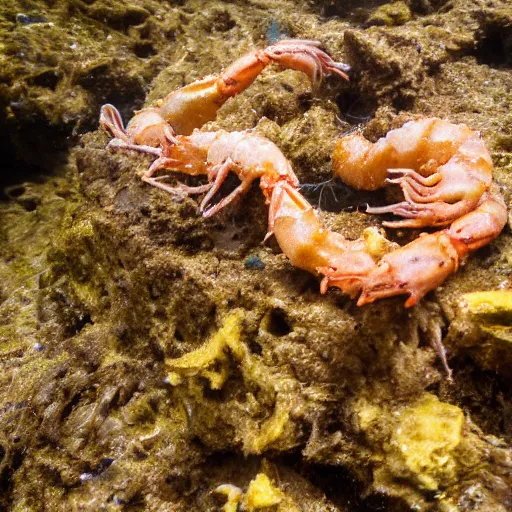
(445, 173)
(308, 245)
(247, 154)
(442, 168)
(190, 107)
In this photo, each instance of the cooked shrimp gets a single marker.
(193, 105)
(372, 265)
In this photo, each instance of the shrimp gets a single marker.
(248, 154)
(168, 130)
(190, 107)
(442, 168)
(445, 173)
(426, 262)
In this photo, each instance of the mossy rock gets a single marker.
(145, 364)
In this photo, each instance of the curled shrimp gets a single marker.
(442, 168)
(445, 173)
(426, 262)
(190, 107)
(247, 154)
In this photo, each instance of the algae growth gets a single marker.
(150, 356)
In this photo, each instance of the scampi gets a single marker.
(445, 173)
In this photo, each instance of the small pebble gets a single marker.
(38, 347)
(24, 19)
(254, 263)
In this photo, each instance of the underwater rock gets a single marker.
(396, 13)
(490, 308)
(422, 445)
(167, 367)
(483, 329)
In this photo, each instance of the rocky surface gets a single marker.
(149, 355)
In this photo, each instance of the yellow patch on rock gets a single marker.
(261, 494)
(424, 440)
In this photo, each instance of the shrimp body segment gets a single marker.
(442, 168)
(310, 246)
